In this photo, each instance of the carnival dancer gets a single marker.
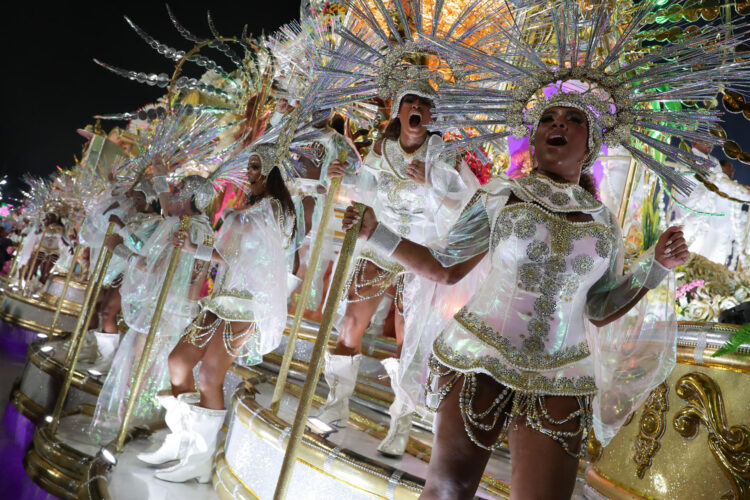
(133, 232)
(112, 205)
(548, 347)
(179, 144)
(243, 317)
(140, 289)
(416, 180)
(30, 234)
(564, 259)
(411, 181)
(50, 246)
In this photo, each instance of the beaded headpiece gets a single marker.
(593, 59)
(420, 88)
(267, 154)
(382, 51)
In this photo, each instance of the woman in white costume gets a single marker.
(412, 183)
(558, 340)
(243, 317)
(140, 289)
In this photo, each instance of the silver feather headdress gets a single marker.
(595, 61)
(382, 51)
(221, 90)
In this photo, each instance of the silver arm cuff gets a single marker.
(160, 184)
(655, 275)
(384, 240)
(122, 251)
(204, 252)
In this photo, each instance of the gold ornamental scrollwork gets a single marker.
(729, 445)
(651, 428)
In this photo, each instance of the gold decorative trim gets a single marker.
(607, 487)
(49, 477)
(25, 405)
(651, 428)
(66, 458)
(736, 362)
(32, 325)
(55, 368)
(729, 445)
(68, 306)
(32, 301)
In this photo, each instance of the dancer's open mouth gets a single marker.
(415, 119)
(557, 140)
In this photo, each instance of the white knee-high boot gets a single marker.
(175, 444)
(401, 411)
(203, 425)
(106, 345)
(341, 376)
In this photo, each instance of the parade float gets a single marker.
(690, 439)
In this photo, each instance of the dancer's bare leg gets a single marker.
(457, 464)
(541, 468)
(357, 317)
(215, 364)
(183, 359)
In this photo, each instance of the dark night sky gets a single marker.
(51, 86)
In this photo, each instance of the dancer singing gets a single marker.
(243, 317)
(412, 183)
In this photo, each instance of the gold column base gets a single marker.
(691, 437)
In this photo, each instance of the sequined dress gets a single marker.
(251, 283)
(413, 210)
(528, 326)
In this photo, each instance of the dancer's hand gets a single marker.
(116, 220)
(180, 239)
(111, 241)
(671, 249)
(416, 171)
(337, 169)
(369, 221)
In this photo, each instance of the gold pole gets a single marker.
(321, 343)
(33, 260)
(135, 387)
(68, 278)
(14, 264)
(304, 295)
(627, 192)
(82, 325)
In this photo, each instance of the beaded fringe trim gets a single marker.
(200, 335)
(382, 281)
(509, 403)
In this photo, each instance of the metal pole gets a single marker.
(304, 295)
(321, 343)
(32, 262)
(155, 320)
(68, 278)
(82, 325)
(626, 193)
(14, 264)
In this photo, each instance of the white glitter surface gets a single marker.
(257, 463)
